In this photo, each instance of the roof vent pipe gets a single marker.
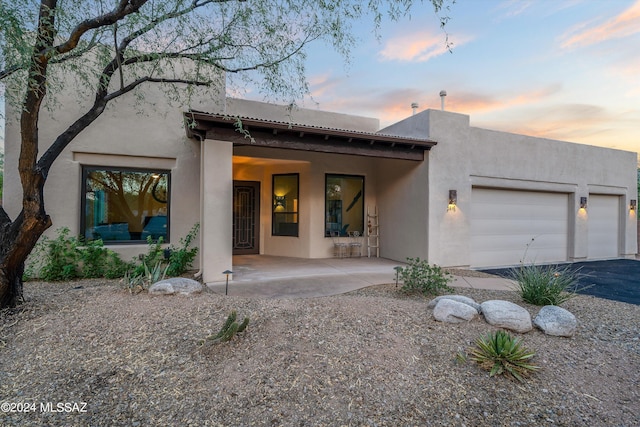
(414, 107)
(443, 93)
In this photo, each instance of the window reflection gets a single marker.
(285, 205)
(344, 204)
(122, 205)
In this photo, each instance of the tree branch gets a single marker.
(75, 53)
(124, 8)
(63, 140)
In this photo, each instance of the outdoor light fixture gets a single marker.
(279, 201)
(633, 204)
(583, 203)
(453, 200)
(226, 286)
(398, 269)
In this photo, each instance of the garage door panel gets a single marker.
(504, 222)
(546, 247)
(504, 226)
(603, 215)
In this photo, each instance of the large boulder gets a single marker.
(176, 285)
(554, 320)
(451, 311)
(507, 315)
(459, 298)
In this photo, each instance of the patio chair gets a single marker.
(339, 247)
(355, 244)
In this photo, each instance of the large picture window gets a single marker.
(285, 205)
(344, 204)
(125, 205)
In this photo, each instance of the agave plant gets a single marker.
(500, 353)
(136, 283)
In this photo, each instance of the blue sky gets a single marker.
(561, 69)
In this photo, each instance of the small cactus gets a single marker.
(229, 329)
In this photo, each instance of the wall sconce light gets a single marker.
(583, 203)
(279, 201)
(633, 204)
(453, 200)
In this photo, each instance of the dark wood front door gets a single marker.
(246, 217)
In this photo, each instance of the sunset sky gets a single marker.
(561, 69)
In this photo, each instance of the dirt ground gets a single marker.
(89, 353)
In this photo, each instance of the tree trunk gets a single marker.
(11, 285)
(17, 240)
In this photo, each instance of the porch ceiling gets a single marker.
(291, 136)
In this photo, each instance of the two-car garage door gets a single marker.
(506, 225)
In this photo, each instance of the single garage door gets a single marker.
(603, 216)
(504, 222)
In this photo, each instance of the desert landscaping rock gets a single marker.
(369, 357)
(459, 298)
(451, 311)
(175, 285)
(557, 321)
(507, 315)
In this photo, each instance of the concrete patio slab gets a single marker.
(265, 276)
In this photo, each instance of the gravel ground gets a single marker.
(374, 357)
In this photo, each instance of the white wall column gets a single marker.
(217, 200)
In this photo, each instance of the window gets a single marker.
(125, 205)
(344, 204)
(284, 221)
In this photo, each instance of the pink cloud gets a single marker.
(324, 84)
(581, 123)
(394, 105)
(621, 26)
(418, 47)
(514, 7)
(472, 102)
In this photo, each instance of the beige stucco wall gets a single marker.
(146, 133)
(403, 203)
(217, 187)
(466, 156)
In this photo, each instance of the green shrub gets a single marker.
(500, 353)
(154, 255)
(55, 259)
(546, 285)
(181, 258)
(114, 266)
(92, 259)
(421, 277)
(66, 258)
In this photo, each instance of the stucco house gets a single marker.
(289, 183)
